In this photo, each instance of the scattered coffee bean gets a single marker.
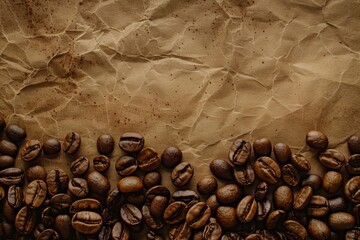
(332, 181)
(131, 142)
(198, 215)
(228, 194)
(57, 181)
(98, 183)
(101, 163)
(332, 158)
(79, 166)
(246, 209)
(152, 222)
(175, 212)
(182, 174)
(61, 201)
(239, 152)
(148, 159)
(354, 144)
(290, 175)
(212, 230)
(294, 230)
(30, 150)
(222, 169)
(226, 217)
(352, 234)
(171, 157)
(85, 204)
(130, 184)
(317, 140)
(130, 214)
(303, 198)
(312, 180)
(120, 232)
(207, 185)
(105, 144)
(283, 198)
(180, 232)
(78, 187)
(341, 221)
(275, 219)
(15, 133)
(36, 172)
(319, 206)
(25, 220)
(15, 196)
(282, 152)
(126, 165)
(11, 176)
(6, 161)
(158, 206)
(337, 204)
(351, 189)
(51, 146)
(72, 143)
(8, 148)
(35, 193)
(267, 170)
(300, 162)
(48, 234)
(352, 164)
(213, 203)
(244, 175)
(86, 222)
(318, 230)
(152, 179)
(262, 147)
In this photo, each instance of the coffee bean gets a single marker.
(312, 180)
(6, 161)
(39, 228)
(79, 166)
(105, 233)
(228, 193)
(332, 181)
(318, 230)
(157, 191)
(244, 175)
(341, 221)
(239, 152)
(72, 143)
(8, 212)
(226, 217)
(153, 236)
(158, 206)
(175, 212)
(86, 222)
(2, 193)
(198, 215)
(152, 222)
(353, 234)
(352, 164)
(36, 172)
(171, 157)
(57, 181)
(180, 232)
(300, 162)
(351, 189)
(213, 203)
(262, 147)
(337, 204)
(35, 193)
(101, 163)
(126, 165)
(267, 170)
(303, 198)
(207, 185)
(222, 169)
(15, 196)
(294, 230)
(282, 152)
(246, 209)
(212, 230)
(231, 236)
(114, 198)
(254, 236)
(290, 175)
(98, 183)
(7, 229)
(25, 220)
(182, 174)
(48, 234)
(354, 144)
(48, 216)
(130, 184)
(283, 198)
(8, 148)
(130, 214)
(30, 150)
(51, 146)
(261, 191)
(15, 133)
(319, 206)
(275, 219)
(148, 159)
(78, 187)
(61, 201)
(317, 140)
(120, 232)
(11, 176)
(105, 144)
(263, 210)
(131, 142)
(85, 204)
(152, 179)
(332, 158)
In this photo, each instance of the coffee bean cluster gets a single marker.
(260, 192)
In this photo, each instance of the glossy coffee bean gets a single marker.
(341, 221)
(61, 201)
(354, 144)
(105, 144)
(157, 191)
(30, 150)
(79, 166)
(246, 209)
(262, 147)
(180, 232)
(267, 170)
(319, 206)
(86, 222)
(171, 157)
(6, 161)
(222, 169)
(126, 165)
(303, 198)
(213, 203)
(130, 184)
(226, 217)
(332, 158)
(36, 172)
(120, 232)
(318, 230)
(290, 175)
(71, 143)
(11, 176)
(275, 219)
(85, 204)
(337, 204)
(175, 212)
(332, 181)
(152, 222)
(300, 162)
(283, 198)
(228, 194)
(15, 133)
(312, 180)
(131, 142)
(130, 214)
(317, 140)
(57, 181)
(244, 175)
(198, 215)
(351, 189)
(114, 198)
(152, 179)
(51, 146)
(352, 164)
(263, 210)
(25, 220)
(158, 206)
(98, 183)
(15, 196)
(8, 148)
(282, 152)
(101, 163)
(35, 193)
(294, 230)
(48, 234)
(207, 185)
(212, 230)
(182, 174)
(239, 152)
(78, 187)
(148, 159)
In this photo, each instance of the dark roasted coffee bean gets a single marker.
(15, 133)
(261, 191)
(86, 222)
(213, 203)
(312, 180)
(267, 170)
(302, 198)
(35, 193)
(244, 175)
(294, 230)
(130, 214)
(2, 123)
(109, 217)
(353, 234)
(354, 144)
(239, 152)
(300, 162)
(153, 236)
(352, 164)
(105, 233)
(356, 213)
(130, 184)
(283, 198)
(105, 144)
(180, 232)
(263, 210)
(25, 220)
(51, 146)
(48, 216)
(72, 143)
(158, 206)
(332, 181)
(319, 206)
(351, 189)
(222, 169)
(79, 166)
(318, 230)
(6, 229)
(228, 194)
(120, 232)
(182, 174)
(61, 201)
(48, 234)
(275, 219)
(148, 159)
(36, 172)
(152, 179)
(8, 148)
(290, 175)
(317, 139)
(136, 198)
(337, 204)
(85, 204)
(152, 222)
(101, 163)
(11, 176)
(341, 221)
(212, 230)
(98, 183)
(198, 215)
(57, 181)
(282, 152)
(131, 142)
(78, 187)
(226, 217)
(262, 147)
(157, 191)
(175, 212)
(15, 196)
(171, 157)
(114, 198)
(6, 161)
(207, 185)
(246, 209)
(126, 165)
(231, 236)
(8, 212)
(332, 158)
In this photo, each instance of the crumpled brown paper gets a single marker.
(192, 73)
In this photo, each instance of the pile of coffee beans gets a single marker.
(262, 191)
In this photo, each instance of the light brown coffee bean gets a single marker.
(35, 193)
(332, 181)
(198, 215)
(341, 221)
(318, 230)
(85, 204)
(317, 140)
(148, 159)
(36, 172)
(101, 163)
(130, 184)
(300, 162)
(15, 196)
(57, 181)
(8, 148)
(226, 217)
(30, 150)
(318, 206)
(283, 198)
(267, 170)
(275, 219)
(246, 209)
(78, 187)
(212, 230)
(51, 146)
(332, 158)
(25, 220)
(86, 222)
(228, 193)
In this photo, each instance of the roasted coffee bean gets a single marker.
(131, 142)
(312, 180)
(198, 215)
(79, 166)
(283, 198)
(332, 181)
(6, 229)
(153, 236)
(8, 148)
(48, 216)
(207, 185)
(61, 201)
(130, 214)
(222, 169)
(98, 183)
(180, 232)
(2, 123)
(212, 230)
(275, 219)
(318, 230)
(228, 194)
(120, 232)
(136, 198)
(290, 175)
(105, 233)
(57, 181)
(35, 193)
(171, 157)
(130, 184)
(246, 209)
(38, 229)
(319, 206)
(300, 162)
(71, 143)
(15, 196)
(294, 230)
(101, 163)
(48, 234)
(332, 158)
(175, 212)
(351, 189)
(354, 144)
(109, 217)
(261, 191)
(2, 193)
(317, 140)
(282, 152)
(244, 175)
(267, 170)
(78, 187)
(152, 179)
(8, 212)
(86, 222)
(231, 236)
(263, 210)
(157, 191)
(182, 174)
(126, 165)
(85, 204)
(302, 198)
(25, 220)
(213, 203)
(36, 172)
(15, 133)
(352, 164)
(262, 147)
(114, 198)
(148, 159)
(239, 152)
(353, 234)
(254, 236)
(226, 217)
(152, 222)
(11, 176)
(6, 161)
(158, 206)
(51, 146)
(105, 144)
(341, 221)
(337, 204)
(356, 213)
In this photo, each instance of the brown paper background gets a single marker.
(196, 74)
